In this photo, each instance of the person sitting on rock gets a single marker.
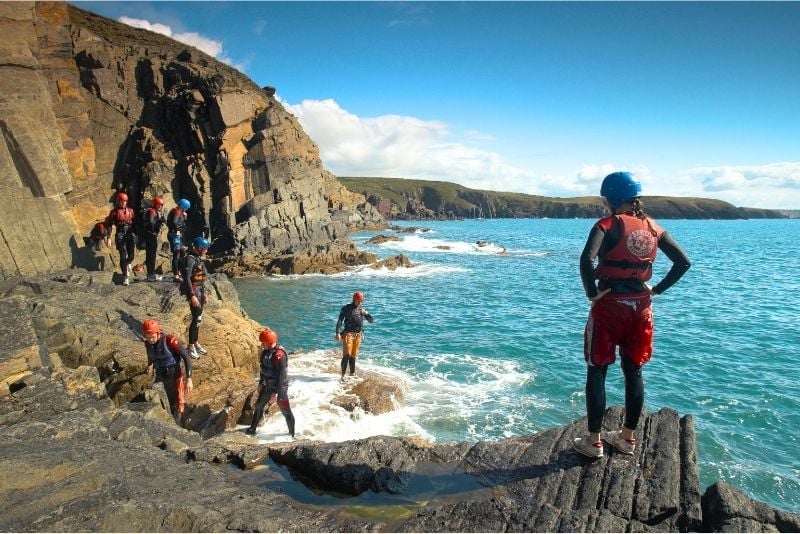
(176, 228)
(153, 221)
(122, 218)
(352, 316)
(164, 355)
(194, 274)
(273, 381)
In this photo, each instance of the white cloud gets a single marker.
(406, 147)
(772, 185)
(212, 47)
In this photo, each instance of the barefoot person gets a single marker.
(352, 317)
(164, 356)
(621, 315)
(273, 382)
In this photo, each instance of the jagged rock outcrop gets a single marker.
(89, 106)
(86, 320)
(73, 461)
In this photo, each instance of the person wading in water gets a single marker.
(621, 314)
(352, 316)
(273, 382)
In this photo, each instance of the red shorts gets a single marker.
(619, 320)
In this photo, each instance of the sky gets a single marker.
(698, 99)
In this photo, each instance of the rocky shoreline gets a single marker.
(87, 445)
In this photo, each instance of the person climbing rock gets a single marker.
(176, 229)
(153, 221)
(352, 317)
(122, 218)
(621, 314)
(273, 381)
(194, 274)
(164, 356)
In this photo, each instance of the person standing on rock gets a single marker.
(153, 221)
(621, 315)
(164, 356)
(122, 218)
(194, 275)
(176, 228)
(352, 317)
(273, 381)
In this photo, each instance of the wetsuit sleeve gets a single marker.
(177, 348)
(340, 321)
(152, 221)
(150, 360)
(590, 252)
(369, 318)
(187, 277)
(680, 263)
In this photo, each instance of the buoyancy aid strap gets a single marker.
(626, 264)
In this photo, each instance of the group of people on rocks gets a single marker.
(165, 354)
(615, 267)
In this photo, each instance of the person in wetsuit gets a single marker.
(352, 317)
(154, 220)
(176, 229)
(621, 315)
(273, 382)
(164, 356)
(194, 275)
(122, 218)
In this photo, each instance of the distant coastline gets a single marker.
(409, 199)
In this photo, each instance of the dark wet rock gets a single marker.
(378, 239)
(409, 229)
(728, 509)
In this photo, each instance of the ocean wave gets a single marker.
(415, 243)
(417, 271)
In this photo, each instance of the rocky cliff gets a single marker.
(397, 198)
(89, 107)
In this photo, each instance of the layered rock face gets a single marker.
(89, 106)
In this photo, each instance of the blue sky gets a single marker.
(699, 99)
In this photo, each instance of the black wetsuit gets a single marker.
(274, 379)
(176, 229)
(165, 355)
(153, 223)
(598, 241)
(194, 274)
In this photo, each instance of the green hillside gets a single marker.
(399, 198)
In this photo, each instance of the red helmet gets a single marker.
(122, 197)
(268, 336)
(158, 202)
(150, 326)
(358, 296)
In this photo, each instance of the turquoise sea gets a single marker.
(489, 339)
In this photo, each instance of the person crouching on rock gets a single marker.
(273, 382)
(352, 316)
(122, 218)
(164, 355)
(193, 285)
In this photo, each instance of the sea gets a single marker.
(485, 332)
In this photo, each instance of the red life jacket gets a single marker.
(633, 254)
(122, 218)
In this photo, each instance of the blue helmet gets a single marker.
(184, 204)
(619, 187)
(201, 242)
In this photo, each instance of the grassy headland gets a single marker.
(399, 198)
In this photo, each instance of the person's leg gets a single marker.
(123, 256)
(355, 344)
(595, 399)
(634, 396)
(130, 244)
(346, 341)
(151, 246)
(261, 403)
(167, 377)
(194, 326)
(286, 410)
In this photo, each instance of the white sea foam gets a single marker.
(415, 243)
(314, 382)
(418, 270)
